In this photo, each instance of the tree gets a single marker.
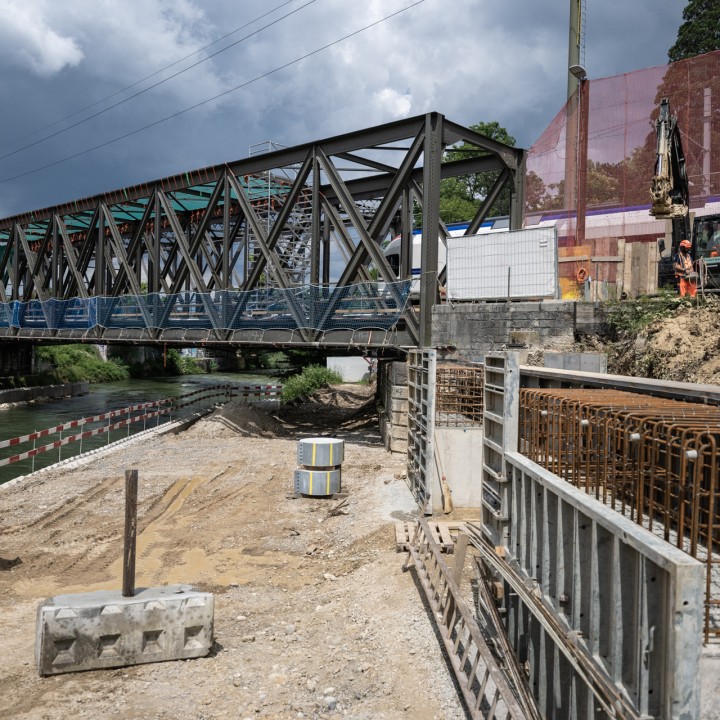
(700, 33)
(460, 197)
(535, 191)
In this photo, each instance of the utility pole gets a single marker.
(574, 43)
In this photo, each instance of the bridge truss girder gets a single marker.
(312, 214)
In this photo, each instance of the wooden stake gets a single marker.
(131, 493)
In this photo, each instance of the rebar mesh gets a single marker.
(459, 395)
(653, 459)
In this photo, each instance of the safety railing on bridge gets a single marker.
(360, 306)
(143, 416)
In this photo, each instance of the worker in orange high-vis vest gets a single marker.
(685, 271)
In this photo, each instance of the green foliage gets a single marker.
(629, 317)
(461, 197)
(177, 364)
(275, 360)
(455, 205)
(700, 33)
(310, 379)
(72, 363)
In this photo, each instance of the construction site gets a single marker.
(516, 516)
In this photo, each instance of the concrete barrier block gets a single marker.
(399, 392)
(103, 629)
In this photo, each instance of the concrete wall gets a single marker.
(459, 456)
(392, 400)
(45, 391)
(473, 329)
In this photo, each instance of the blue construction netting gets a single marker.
(353, 307)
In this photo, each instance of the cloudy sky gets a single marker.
(472, 60)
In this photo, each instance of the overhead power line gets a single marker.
(215, 97)
(154, 85)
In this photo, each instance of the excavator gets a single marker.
(670, 193)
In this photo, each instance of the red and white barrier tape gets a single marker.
(80, 436)
(226, 391)
(79, 423)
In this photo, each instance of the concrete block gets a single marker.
(399, 432)
(586, 362)
(399, 418)
(398, 373)
(103, 629)
(399, 406)
(399, 392)
(397, 445)
(524, 337)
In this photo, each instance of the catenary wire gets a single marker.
(215, 97)
(154, 85)
(142, 80)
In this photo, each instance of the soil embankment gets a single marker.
(683, 346)
(313, 618)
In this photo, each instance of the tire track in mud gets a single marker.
(53, 517)
(154, 537)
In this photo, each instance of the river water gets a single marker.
(30, 417)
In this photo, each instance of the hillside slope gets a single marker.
(679, 343)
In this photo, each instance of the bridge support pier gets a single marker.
(16, 358)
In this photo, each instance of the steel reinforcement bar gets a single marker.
(655, 460)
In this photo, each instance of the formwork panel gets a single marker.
(617, 630)
(421, 418)
(655, 460)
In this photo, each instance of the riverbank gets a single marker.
(13, 398)
(26, 418)
(313, 618)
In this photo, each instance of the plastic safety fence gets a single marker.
(620, 113)
(655, 460)
(613, 120)
(362, 306)
(149, 414)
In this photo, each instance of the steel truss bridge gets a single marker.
(282, 248)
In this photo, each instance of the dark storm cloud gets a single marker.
(469, 59)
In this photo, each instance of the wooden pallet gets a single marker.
(444, 533)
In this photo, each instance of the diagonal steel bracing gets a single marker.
(302, 223)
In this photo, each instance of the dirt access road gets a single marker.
(313, 616)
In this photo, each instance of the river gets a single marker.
(30, 417)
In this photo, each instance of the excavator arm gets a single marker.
(669, 190)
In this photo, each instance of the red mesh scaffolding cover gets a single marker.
(617, 115)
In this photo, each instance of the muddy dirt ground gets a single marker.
(313, 616)
(685, 346)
